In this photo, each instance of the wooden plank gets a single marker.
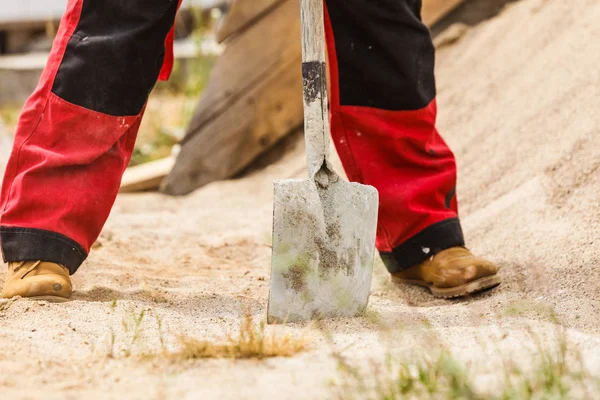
(435, 10)
(146, 176)
(247, 61)
(250, 126)
(241, 14)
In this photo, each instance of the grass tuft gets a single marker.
(250, 342)
(440, 377)
(130, 334)
(557, 372)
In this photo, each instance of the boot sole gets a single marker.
(460, 291)
(49, 299)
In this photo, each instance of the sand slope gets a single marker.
(519, 99)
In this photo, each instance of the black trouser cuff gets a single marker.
(430, 241)
(28, 244)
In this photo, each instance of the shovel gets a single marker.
(323, 228)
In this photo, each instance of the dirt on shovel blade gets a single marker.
(323, 245)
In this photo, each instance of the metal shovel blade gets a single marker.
(323, 228)
(323, 250)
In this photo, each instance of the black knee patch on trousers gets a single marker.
(385, 53)
(115, 55)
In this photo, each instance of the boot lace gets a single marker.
(21, 264)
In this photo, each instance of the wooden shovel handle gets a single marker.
(314, 80)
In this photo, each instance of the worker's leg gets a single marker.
(76, 132)
(383, 121)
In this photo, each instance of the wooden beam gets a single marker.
(435, 10)
(146, 176)
(247, 61)
(241, 14)
(254, 98)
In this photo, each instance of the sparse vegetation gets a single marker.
(558, 373)
(131, 331)
(132, 327)
(9, 114)
(439, 377)
(9, 117)
(189, 77)
(251, 342)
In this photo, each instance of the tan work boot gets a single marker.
(454, 272)
(38, 280)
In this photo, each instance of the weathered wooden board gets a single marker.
(249, 126)
(241, 14)
(247, 60)
(146, 176)
(254, 98)
(229, 129)
(434, 10)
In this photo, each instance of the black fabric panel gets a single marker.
(115, 55)
(385, 53)
(27, 244)
(430, 241)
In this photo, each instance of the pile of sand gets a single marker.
(519, 99)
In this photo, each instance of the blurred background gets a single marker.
(27, 29)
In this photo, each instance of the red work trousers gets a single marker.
(77, 131)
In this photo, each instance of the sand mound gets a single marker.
(519, 99)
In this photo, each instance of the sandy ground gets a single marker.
(519, 99)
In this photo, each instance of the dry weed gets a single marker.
(250, 342)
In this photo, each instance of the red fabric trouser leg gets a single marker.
(76, 132)
(383, 115)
